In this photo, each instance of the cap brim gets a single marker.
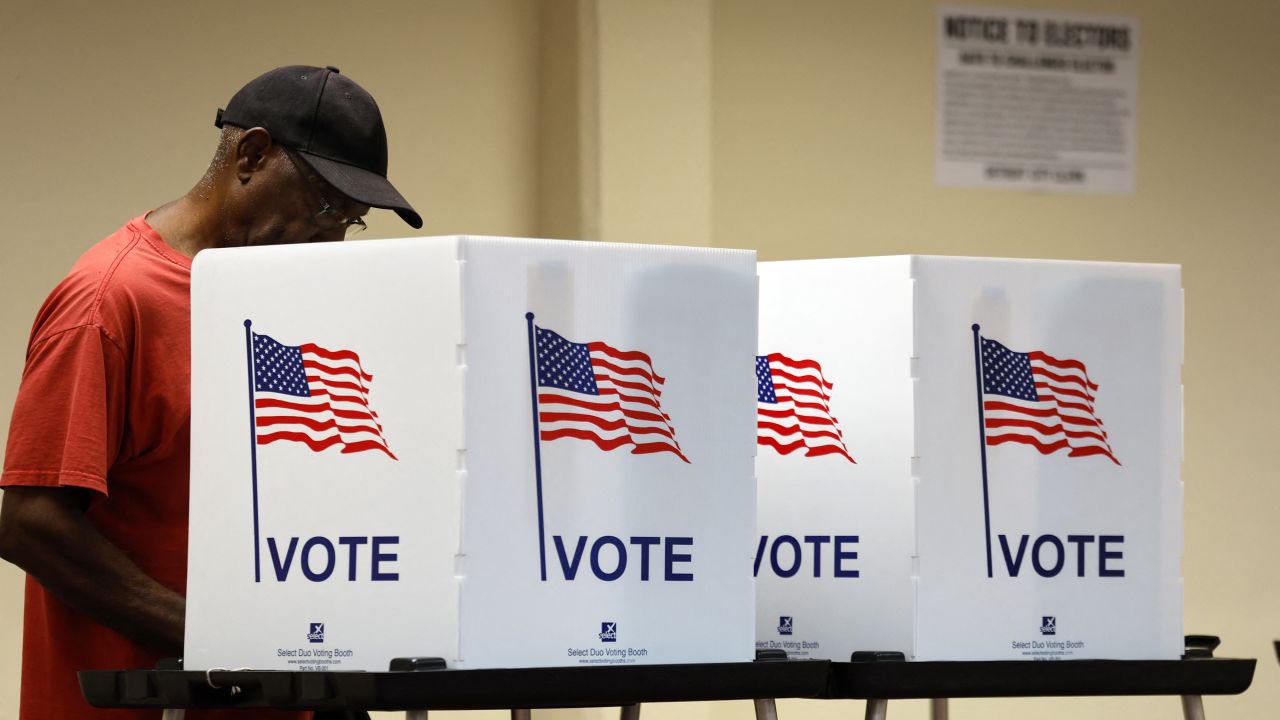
(366, 188)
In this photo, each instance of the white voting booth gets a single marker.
(501, 452)
(970, 459)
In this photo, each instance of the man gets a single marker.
(96, 468)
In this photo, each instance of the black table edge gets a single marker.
(600, 686)
(1050, 678)
(593, 686)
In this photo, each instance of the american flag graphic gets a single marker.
(1039, 400)
(793, 401)
(595, 392)
(314, 396)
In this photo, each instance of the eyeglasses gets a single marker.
(328, 217)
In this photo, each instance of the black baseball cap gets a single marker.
(332, 123)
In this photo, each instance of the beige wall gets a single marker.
(800, 128)
(823, 146)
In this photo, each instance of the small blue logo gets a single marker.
(608, 631)
(1049, 625)
(316, 634)
(784, 625)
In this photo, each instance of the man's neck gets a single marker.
(188, 224)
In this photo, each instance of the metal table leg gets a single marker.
(1192, 707)
(629, 712)
(521, 714)
(877, 709)
(415, 715)
(766, 709)
(174, 714)
(939, 709)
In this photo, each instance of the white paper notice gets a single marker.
(1036, 100)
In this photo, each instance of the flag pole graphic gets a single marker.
(537, 442)
(253, 451)
(982, 441)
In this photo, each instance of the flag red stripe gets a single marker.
(994, 423)
(807, 406)
(303, 438)
(337, 384)
(647, 448)
(603, 424)
(1051, 360)
(808, 431)
(1060, 402)
(826, 420)
(818, 382)
(332, 354)
(1044, 448)
(628, 385)
(1071, 379)
(1038, 412)
(800, 391)
(1093, 450)
(818, 403)
(320, 408)
(817, 419)
(814, 420)
(784, 449)
(342, 398)
(362, 445)
(1064, 403)
(600, 441)
(626, 355)
(992, 406)
(1071, 406)
(600, 407)
(633, 399)
(619, 370)
(1077, 421)
(1054, 391)
(792, 362)
(336, 370)
(1050, 448)
(324, 443)
(273, 403)
(1064, 391)
(616, 408)
(830, 450)
(792, 430)
(608, 443)
(788, 448)
(317, 425)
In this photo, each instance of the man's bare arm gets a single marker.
(44, 532)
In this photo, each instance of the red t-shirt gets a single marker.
(105, 404)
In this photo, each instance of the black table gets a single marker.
(874, 679)
(879, 681)
(440, 689)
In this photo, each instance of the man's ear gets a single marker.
(251, 152)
